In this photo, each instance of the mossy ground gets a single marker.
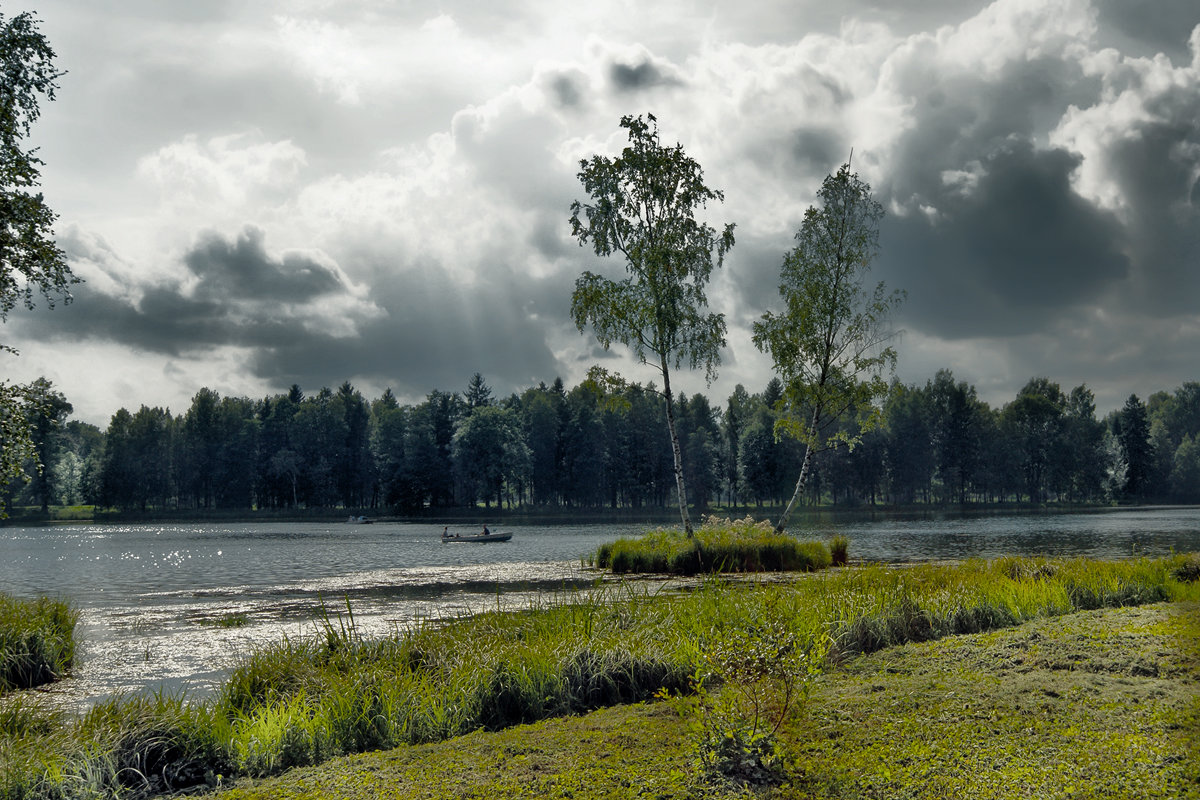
(1099, 704)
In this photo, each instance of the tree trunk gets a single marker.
(683, 512)
(803, 479)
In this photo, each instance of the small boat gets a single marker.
(475, 537)
(359, 520)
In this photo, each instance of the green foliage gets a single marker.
(829, 342)
(643, 207)
(719, 545)
(767, 673)
(839, 549)
(490, 453)
(1187, 568)
(30, 261)
(37, 641)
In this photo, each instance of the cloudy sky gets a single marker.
(312, 191)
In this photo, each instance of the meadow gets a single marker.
(302, 702)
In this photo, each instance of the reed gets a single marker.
(839, 551)
(37, 641)
(719, 545)
(303, 701)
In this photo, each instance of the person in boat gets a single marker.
(446, 532)
(486, 532)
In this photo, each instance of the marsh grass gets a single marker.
(302, 701)
(37, 641)
(719, 545)
(839, 551)
(233, 619)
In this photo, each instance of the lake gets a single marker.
(152, 596)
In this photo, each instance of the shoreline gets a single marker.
(19, 517)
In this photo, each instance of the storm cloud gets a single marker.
(327, 192)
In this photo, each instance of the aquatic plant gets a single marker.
(839, 550)
(37, 641)
(719, 545)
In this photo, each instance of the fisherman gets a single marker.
(486, 532)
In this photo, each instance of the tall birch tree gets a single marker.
(642, 208)
(30, 261)
(829, 343)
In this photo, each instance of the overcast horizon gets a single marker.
(309, 192)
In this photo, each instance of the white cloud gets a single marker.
(222, 171)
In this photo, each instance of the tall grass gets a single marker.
(37, 641)
(302, 701)
(719, 545)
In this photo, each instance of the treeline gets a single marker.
(602, 444)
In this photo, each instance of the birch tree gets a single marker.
(829, 343)
(642, 208)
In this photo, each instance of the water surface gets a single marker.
(151, 595)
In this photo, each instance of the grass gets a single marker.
(994, 715)
(299, 703)
(232, 619)
(37, 641)
(719, 545)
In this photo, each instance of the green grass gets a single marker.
(719, 545)
(37, 641)
(1098, 704)
(301, 702)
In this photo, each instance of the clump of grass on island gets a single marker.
(37, 641)
(719, 545)
(303, 701)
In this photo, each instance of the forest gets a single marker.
(602, 444)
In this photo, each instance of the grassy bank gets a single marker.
(37, 641)
(719, 545)
(303, 702)
(1098, 704)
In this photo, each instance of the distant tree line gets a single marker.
(602, 444)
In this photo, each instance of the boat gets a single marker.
(475, 537)
(359, 520)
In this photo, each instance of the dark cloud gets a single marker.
(233, 270)
(567, 89)
(1001, 257)
(435, 334)
(237, 294)
(962, 117)
(432, 332)
(1157, 169)
(752, 268)
(1147, 27)
(641, 76)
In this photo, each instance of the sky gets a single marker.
(315, 191)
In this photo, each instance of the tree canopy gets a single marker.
(643, 207)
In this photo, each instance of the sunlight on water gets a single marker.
(175, 606)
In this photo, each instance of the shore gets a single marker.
(1096, 704)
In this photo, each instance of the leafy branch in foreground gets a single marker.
(29, 258)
